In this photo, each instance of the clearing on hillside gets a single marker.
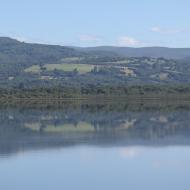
(81, 68)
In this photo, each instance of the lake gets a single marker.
(90, 146)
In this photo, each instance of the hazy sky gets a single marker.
(98, 22)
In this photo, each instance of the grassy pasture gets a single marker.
(71, 59)
(33, 69)
(81, 68)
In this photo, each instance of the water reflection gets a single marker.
(138, 146)
(107, 124)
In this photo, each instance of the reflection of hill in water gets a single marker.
(150, 124)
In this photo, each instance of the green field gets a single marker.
(71, 59)
(33, 69)
(81, 68)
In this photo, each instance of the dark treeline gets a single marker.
(92, 91)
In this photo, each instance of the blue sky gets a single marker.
(132, 23)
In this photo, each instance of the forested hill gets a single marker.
(12, 50)
(16, 52)
(156, 52)
(25, 65)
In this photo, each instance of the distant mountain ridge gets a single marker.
(156, 52)
(8, 46)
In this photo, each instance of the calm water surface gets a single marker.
(105, 146)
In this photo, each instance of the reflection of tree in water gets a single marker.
(95, 123)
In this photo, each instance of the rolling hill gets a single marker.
(156, 52)
(36, 65)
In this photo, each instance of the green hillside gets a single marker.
(25, 65)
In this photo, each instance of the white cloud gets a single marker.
(128, 41)
(89, 38)
(165, 30)
(156, 29)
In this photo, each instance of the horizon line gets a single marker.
(99, 46)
